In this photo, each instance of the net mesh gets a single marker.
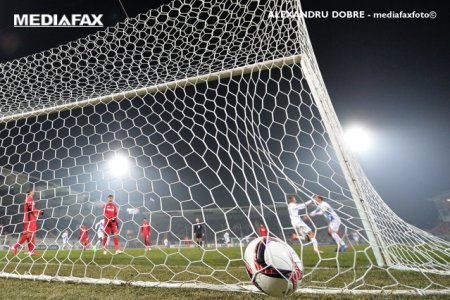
(210, 110)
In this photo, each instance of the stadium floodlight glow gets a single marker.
(118, 165)
(358, 138)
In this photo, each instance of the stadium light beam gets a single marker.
(358, 139)
(119, 165)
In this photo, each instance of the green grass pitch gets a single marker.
(357, 269)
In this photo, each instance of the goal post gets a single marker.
(333, 127)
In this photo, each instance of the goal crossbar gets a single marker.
(159, 88)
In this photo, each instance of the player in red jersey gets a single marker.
(110, 212)
(29, 224)
(262, 230)
(84, 237)
(146, 230)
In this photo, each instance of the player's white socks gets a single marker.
(337, 239)
(315, 244)
(96, 244)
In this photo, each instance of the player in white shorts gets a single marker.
(226, 238)
(301, 228)
(65, 239)
(355, 236)
(334, 222)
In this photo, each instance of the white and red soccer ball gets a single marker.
(273, 266)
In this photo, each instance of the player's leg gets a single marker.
(333, 229)
(116, 237)
(32, 243)
(31, 237)
(21, 240)
(106, 232)
(25, 236)
(99, 241)
(312, 238)
(147, 242)
(299, 233)
(100, 236)
(301, 229)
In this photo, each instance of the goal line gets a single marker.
(225, 287)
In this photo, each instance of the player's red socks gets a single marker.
(22, 240)
(116, 243)
(31, 244)
(105, 239)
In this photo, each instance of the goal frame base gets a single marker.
(215, 287)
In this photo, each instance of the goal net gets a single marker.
(213, 110)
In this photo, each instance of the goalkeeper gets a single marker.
(199, 232)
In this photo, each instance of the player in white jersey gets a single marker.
(100, 228)
(300, 227)
(65, 239)
(226, 237)
(334, 222)
(355, 237)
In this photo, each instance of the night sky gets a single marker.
(392, 76)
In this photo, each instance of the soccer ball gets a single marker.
(273, 266)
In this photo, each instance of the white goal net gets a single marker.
(209, 110)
